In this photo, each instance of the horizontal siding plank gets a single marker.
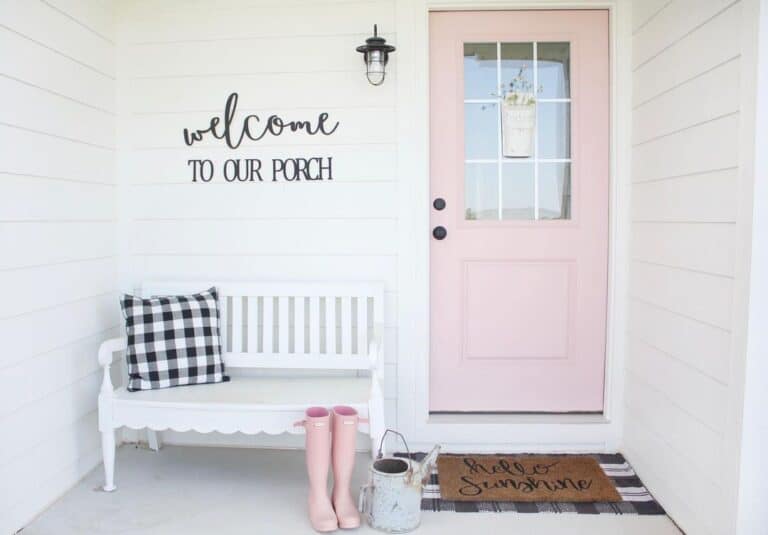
(37, 288)
(278, 90)
(28, 335)
(354, 126)
(20, 152)
(712, 44)
(257, 21)
(52, 371)
(38, 65)
(707, 147)
(708, 197)
(320, 237)
(349, 162)
(25, 198)
(672, 24)
(650, 408)
(39, 22)
(643, 12)
(707, 97)
(297, 54)
(50, 488)
(64, 407)
(96, 15)
(39, 110)
(38, 244)
(700, 396)
(26, 475)
(707, 247)
(703, 297)
(701, 346)
(672, 481)
(138, 9)
(265, 200)
(267, 267)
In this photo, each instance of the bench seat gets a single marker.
(255, 393)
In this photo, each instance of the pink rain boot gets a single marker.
(344, 422)
(318, 429)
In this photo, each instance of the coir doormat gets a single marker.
(524, 478)
(635, 498)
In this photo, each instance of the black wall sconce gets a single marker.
(375, 54)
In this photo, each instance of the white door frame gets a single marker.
(499, 432)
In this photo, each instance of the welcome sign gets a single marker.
(251, 128)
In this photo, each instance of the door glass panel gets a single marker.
(554, 70)
(554, 130)
(518, 191)
(555, 191)
(480, 76)
(481, 131)
(517, 131)
(517, 67)
(481, 191)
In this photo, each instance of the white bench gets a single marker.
(270, 333)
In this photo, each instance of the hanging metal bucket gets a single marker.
(391, 501)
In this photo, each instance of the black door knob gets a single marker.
(439, 203)
(439, 233)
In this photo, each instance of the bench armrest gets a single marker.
(106, 356)
(376, 349)
(108, 348)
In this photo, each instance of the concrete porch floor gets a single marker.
(186, 490)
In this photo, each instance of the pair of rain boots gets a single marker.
(331, 435)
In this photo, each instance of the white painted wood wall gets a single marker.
(58, 274)
(686, 234)
(177, 64)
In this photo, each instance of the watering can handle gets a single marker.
(380, 453)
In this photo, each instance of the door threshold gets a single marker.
(469, 418)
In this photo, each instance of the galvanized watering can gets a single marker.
(391, 501)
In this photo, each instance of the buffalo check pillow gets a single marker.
(173, 340)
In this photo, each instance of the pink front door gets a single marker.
(519, 107)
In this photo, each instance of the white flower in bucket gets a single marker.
(518, 118)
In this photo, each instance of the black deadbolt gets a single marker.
(439, 233)
(439, 203)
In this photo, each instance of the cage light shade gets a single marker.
(375, 67)
(376, 55)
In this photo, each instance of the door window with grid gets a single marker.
(517, 131)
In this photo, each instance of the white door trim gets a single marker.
(508, 433)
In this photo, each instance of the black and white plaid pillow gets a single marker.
(173, 340)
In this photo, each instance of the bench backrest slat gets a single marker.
(236, 310)
(292, 325)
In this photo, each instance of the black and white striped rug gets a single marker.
(636, 500)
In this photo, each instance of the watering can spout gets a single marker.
(425, 467)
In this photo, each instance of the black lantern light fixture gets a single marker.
(375, 54)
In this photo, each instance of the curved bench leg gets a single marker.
(154, 440)
(108, 451)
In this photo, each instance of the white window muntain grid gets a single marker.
(500, 160)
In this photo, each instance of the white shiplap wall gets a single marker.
(177, 63)
(58, 275)
(686, 87)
